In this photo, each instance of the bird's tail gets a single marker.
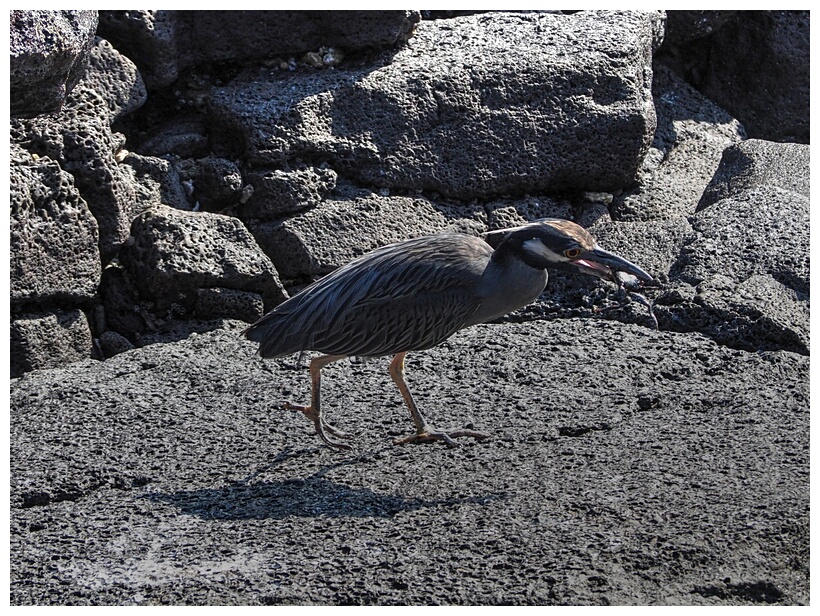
(271, 332)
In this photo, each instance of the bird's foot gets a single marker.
(432, 434)
(323, 429)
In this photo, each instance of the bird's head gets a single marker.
(552, 243)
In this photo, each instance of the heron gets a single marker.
(412, 295)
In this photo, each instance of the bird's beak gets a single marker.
(607, 265)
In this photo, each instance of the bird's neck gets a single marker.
(511, 251)
(507, 284)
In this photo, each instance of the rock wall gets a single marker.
(347, 131)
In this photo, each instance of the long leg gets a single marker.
(314, 411)
(424, 431)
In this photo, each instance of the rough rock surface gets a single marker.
(80, 140)
(216, 302)
(49, 51)
(691, 135)
(625, 466)
(753, 163)
(46, 340)
(743, 275)
(277, 193)
(505, 77)
(53, 236)
(350, 224)
(113, 74)
(748, 289)
(172, 254)
(768, 92)
(165, 43)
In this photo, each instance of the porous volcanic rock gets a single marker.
(352, 223)
(625, 466)
(755, 162)
(172, 254)
(49, 52)
(53, 236)
(46, 340)
(503, 83)
(165, 43)
(744, 272)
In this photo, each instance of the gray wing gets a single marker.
(403, 297)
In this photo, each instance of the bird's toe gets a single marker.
(335, 431)
(431, 434)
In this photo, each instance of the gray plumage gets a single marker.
(415, 294)
(402, 297)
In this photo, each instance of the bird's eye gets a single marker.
(571, 253)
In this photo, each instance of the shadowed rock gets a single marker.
(165, 43)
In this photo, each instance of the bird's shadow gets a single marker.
(313, 496)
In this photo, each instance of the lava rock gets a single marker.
(165, 43)
(748, 261)
(218, 184)
(116, 78)
(754, 163)
(112, 343)
(689, 142)
(277, 193)
(47, 340)
(49, 53)
(173, 254)
(352, 223)
(625, 466)
(53, 236)
(756, 66)
(461, 110)
(217, 302)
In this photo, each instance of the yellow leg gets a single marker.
(424, 431)
(314, 411)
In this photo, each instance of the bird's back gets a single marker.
(402, 297)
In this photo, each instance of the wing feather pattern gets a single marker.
(402, 297)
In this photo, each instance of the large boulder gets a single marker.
(171, 255)
(472, 107)
(767, 87)
(742, 276)
(625, 466)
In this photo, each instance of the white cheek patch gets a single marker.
(537, 247)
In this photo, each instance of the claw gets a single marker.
(334, 430)
(322, 427)
(431, 434)
(625, 291)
